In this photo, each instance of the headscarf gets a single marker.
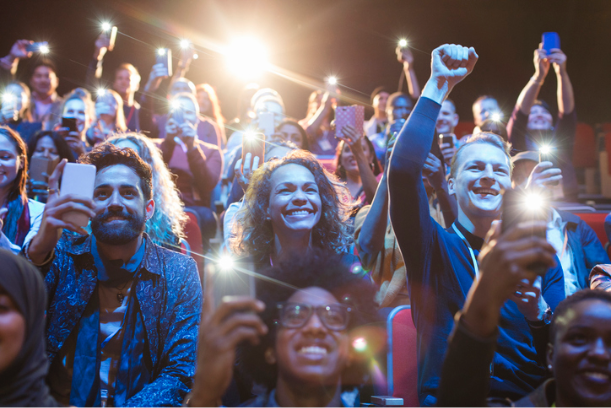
(23, 382)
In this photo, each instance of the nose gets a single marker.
(314, 326)
(600, 351)
(299, 197)
(115, 203)
(488, 173)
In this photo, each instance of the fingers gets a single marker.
(57, 173)
(235, 304)
(60, 207)
(494, 232)
(208, 302)
(3, 211)
(237, 320)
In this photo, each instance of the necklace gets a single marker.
(120, 295)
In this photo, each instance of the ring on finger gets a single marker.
(53, 191)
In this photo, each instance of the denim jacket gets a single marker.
(169, 293)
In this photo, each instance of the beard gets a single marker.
(118, 235)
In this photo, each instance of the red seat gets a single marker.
(194, 238)
(584, 153)
(596, 220)
(605, 127)
(463, 128)
(402, 357)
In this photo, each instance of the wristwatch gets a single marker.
(547, 319)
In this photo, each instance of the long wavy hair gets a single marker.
(215, 108)
(17, 197)
(340, 171)
(167, 224)
(253, 233)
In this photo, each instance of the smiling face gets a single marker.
(125, 82)
(447, 118)
(348, 161)
(482, 173)
(379, 102)
(120, 206)
(540, 118)
(10, 162)
(75, 108)
(581, 354)
(295, 205)
(12, 330)
(312, 354)
(400, 109)
(484, 109)
(44, 81)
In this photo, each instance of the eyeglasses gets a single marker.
(296, 315)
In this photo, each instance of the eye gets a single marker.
(100, 194)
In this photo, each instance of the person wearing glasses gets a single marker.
(295, 339)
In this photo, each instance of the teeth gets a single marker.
(597, 375)
(298, 212)
(313, 350)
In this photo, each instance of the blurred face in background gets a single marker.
(46, 148)
(203, 99)
(447, 118)
(540, 119)
(484, 109)
(75, 108)
(379, 104)
(44, 81)
(400, 109)
(291, 133)
(126, 82)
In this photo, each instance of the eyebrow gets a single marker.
(121, 186)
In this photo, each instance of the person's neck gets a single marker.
(301, 395)
(285, 246)
(128, 98)
(4, 192)
(123, 252)
(48, 97)
(478, 226)
(379, 115)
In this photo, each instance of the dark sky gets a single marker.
(353, 38)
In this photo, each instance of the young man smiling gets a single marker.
(123, 312)
(442, 264)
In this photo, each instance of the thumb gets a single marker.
(473, 57)
(3, 211)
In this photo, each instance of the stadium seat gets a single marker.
(463, 128)
(194, 239)
(402, 362)
(327, 162)
(584, 153)
(596, 220)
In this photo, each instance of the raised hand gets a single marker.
(19, 49)
(352, 138)
(158, 74)
(558, 59)
(405, 56)
(541, 62)
(450, 64)
(544, 175)
(243, 174)
(433, 171)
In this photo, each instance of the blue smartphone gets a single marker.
(35, 47)
(550, 41)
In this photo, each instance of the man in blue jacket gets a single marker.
(123, 313)
(442, 264)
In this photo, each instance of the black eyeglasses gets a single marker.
(296, 315)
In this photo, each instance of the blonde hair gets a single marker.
(482, 138)
(168, 222)
(112, 97)
(215, 106)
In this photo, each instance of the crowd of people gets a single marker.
(115, 313)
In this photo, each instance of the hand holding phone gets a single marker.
(70, 124)
(550, 41)
(41, 47)
(78, 179)
(164, 56)
(254, 144)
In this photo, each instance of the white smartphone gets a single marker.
(266, 123)
(231, 281)
(78, 179)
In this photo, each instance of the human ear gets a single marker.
(451, 186)
(270, 356)
(150, 209)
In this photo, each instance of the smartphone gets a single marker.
(178, 116)
(164, 56)
(516, 210)
(232, 281)
(266, 123)
(446, 139)
(112, 37)
(255, 145)
(70, 123)
(78, 179)
(40, 165)
(35, 47)
(550, 41)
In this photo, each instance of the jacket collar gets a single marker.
(151, 262)
(568, 217)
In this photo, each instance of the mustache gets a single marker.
(109, 214)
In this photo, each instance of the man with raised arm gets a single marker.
(442, 264)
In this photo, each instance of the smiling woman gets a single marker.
(291, 204)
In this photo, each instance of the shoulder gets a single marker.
(36, 208)
(209, 148)
(178, 268)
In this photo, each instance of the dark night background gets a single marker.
(353, 39)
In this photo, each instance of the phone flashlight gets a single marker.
(226, 262)
(249, 135)
(161, 51)
(43, 49)
(359, 344)
(332, 80)
(545, 153)
(533, 202)
(402, 43)
(106, 26)
(496, 116)
(7, 98)
(101, 92)
(184, 44)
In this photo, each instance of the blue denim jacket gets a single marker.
(169, 293)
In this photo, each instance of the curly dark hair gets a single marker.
(305, 143)
(568, 303)
(321, 269)
(106, 155)
(253, 232)
(340, 172)
(63, 150)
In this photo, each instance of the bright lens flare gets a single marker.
(249, 135)
(402, 43)
(332, 80)
(534, 202)
(43, 49)
(7, 98)
(184, 44)
(496, 117)
(545, 149)
(105, 26)
(246, 58)
(174, 104)
(101, 92)
(226, 262)
(161, 51)
(359, 344)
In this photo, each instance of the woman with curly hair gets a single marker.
(295, 339)
(292, 204)
(165, 227)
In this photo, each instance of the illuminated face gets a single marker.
(581, 355)
(205, 106)
(447, 118)
(483, 172)
(44, 81)
(10, 162)
(182, 86)
(19, 99)
(348, 161)
(400, 109)
(12, 330)
(483, 110)
(312, 354)
(379, 101)
(270, 106)
(125, 82)
(291, 133)
(45, 147)
(75, 108)
(540, 119)
(295, 205)
(189, 110)
(106, 105)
